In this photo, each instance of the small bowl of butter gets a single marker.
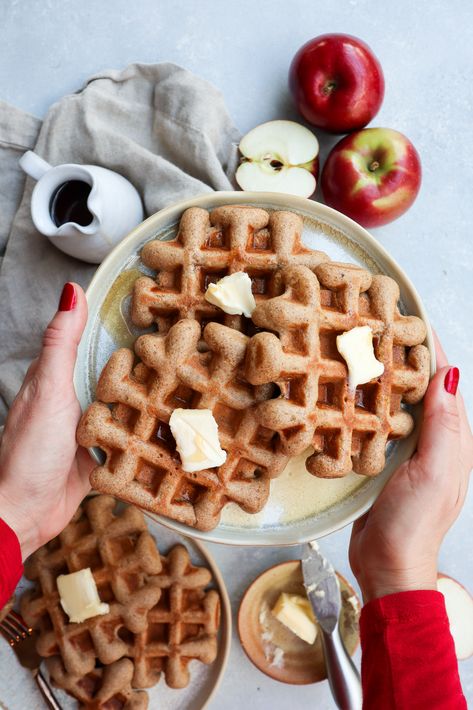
(277, 628)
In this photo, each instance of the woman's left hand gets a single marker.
(43, 473)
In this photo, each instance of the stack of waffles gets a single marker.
(275, 383)
(161, 613)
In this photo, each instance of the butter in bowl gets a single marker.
(275, 617)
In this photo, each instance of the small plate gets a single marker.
(301, 507)
(18, 690)
(274, 649)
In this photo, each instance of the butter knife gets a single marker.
(323, 591)
(25, 651)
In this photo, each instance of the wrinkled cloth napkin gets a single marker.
(160, 126)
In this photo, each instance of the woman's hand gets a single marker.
(43, 474)
(394, 547)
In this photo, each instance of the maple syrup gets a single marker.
(111, 312)
(69, 204)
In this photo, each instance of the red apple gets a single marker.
(337, 83)
(373, 176)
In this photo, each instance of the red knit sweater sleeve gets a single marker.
(11, 567)
(408, 657)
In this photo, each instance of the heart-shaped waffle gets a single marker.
(207, 248)
(142, 465)
(162, 614)
(349, 430)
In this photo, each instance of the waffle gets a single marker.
(348, 430)
(102, 688)
(123, 558)
(181, 627)
(209, 247)
(167, 620)
(142, 465)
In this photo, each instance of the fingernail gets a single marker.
(68, 298)
(451, 380)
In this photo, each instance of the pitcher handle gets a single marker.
(33, 165)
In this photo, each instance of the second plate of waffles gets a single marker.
(305, 448)
(163, 638)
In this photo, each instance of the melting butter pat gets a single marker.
(196, 435)
(356, 347)
(233, 294)
(296, 613)
(79, 596)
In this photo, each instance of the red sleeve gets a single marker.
(408, 655)
(11, 567)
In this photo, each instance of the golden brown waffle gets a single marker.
(123, 558)
(209, 247)
(181, 627)
(167, 619)
(348, 430)
(142, 465)
(102, 688)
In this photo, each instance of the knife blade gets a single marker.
(25, 651)
(322, 587)
(323, 590)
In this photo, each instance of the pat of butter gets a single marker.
(356, 347)
(196, 435)
(296, 613)
(233, 294)
(278, 657)
(79, 596)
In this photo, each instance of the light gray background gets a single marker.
(49, 47)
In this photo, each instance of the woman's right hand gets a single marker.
(44, 475)
(394, 547)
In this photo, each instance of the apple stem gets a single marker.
(329, 86)
(373, 166)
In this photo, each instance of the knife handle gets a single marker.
(46, 691)
(342, 675)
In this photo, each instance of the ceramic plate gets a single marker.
(18, 690)
(301, 507)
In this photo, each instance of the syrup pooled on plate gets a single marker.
(111, 313)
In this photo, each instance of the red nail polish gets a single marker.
(68, 298)
(451, 380)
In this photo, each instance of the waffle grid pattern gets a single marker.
(275, 383)
(348, 430)
(102, 688)
(104, 658)
(209, 247)
(142, 465)
(181, 627)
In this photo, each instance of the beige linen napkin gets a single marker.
(160, 126)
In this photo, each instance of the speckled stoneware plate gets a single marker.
(301, 507)
(270, 645)
(19, 691)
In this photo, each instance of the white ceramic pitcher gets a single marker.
(114, 205)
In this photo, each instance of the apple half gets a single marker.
(459, 605)
(279, 156)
